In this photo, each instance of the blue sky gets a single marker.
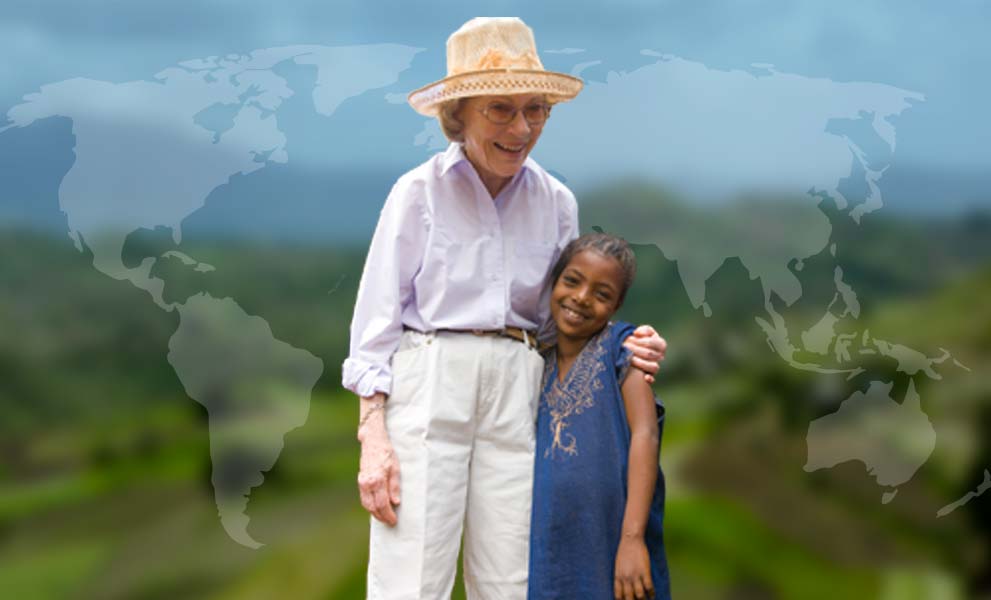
(938, 50)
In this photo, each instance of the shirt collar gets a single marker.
(455, 154)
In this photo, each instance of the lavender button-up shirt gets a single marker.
(446, 255)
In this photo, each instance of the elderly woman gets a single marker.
(443, 340)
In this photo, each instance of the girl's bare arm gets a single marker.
(632, 576)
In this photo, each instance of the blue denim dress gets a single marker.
(580, 475)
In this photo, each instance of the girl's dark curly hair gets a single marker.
(607, 245)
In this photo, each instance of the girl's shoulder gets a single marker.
(621, 329)
(616, 332)
(613, 336)
(608, 342)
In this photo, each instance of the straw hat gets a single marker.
(491, 56)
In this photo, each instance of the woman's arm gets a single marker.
(648, 350)
(632, 576)
(393, 258)
(378, 475)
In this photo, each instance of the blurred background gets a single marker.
(187, 192)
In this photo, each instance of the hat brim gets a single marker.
(558, 87)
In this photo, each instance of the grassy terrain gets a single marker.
(105, 466)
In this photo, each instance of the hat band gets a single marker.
(558, 86)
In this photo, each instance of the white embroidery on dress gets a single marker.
(575, 394)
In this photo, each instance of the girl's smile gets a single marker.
(586, 295)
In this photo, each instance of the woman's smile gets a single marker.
(498, 151)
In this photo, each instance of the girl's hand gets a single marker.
(632, 576)
(648, 350)
(378, 474)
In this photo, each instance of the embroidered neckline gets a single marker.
(574, 395)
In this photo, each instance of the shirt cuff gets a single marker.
(365, 378)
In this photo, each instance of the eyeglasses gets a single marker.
(503, 113)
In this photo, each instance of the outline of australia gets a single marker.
(892, 439)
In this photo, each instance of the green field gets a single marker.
(105, 471)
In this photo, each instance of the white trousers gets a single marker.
(461, 419)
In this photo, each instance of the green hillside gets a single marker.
(105, 472)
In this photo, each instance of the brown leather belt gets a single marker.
(521, 335)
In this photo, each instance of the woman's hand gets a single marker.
(648, 350)
(378, 475)
(632, 576)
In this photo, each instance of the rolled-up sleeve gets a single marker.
(386, 287)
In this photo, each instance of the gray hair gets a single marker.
(452, 126)
(607, 245)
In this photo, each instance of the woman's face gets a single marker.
(498, 151)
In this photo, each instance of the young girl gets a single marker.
(598, 495)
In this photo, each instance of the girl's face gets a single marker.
(586, 294)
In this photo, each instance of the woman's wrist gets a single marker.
(371, 416)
